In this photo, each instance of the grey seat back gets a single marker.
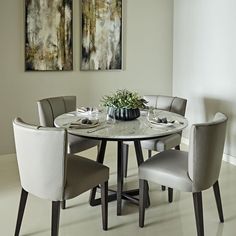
(206, 151)
(167, 103)
(50, 108)
(41, 159)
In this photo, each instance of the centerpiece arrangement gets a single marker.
(124, 105)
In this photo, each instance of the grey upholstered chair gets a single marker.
(167, 103)
(49, 109)
(46, 172)
(192, 171)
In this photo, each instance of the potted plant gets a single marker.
(124, 104)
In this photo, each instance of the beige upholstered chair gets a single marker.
(167, 103)
(192, 171)
(46, 172)
(49, 109)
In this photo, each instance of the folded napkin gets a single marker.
(164, 122)
(86, 109)
(84, 124)
(160, 124)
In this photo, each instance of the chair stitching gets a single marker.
(51, 109)
(64, 104)
(172, 103)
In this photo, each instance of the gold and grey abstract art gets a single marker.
(101, 35)
(48, 35)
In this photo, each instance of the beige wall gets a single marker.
(147, 63)
(204, 60)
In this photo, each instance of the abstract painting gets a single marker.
(101, 35)
(48, 35)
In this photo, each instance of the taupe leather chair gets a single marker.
(47, 172)
(167, 103)
(192, 171)
(49, 109)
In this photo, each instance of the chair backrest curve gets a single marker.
(205, 152)
(167, 103)
(50, 108)
(41, 159)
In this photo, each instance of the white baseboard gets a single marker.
(226, 157)
(185, 141)
(8, 155)
(230, 159)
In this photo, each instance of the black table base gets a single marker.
(119, 194)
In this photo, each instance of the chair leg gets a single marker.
(55, 218)
(104, 201)
(170, 195)
(163, 188)
(21, 210)
(149, 153)
(218, 201)
(142, 201)
(197, 201)
(177, 147)
(125, 159)
(63, 204)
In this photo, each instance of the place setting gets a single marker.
(88, 118)
(158, 119)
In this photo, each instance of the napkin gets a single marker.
(84, 123)
(86, 110)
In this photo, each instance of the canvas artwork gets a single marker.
(101, 35)
(48, 35)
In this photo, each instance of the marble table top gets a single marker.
(138, 129)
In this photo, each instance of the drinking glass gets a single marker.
(150, 114)
(110, 116)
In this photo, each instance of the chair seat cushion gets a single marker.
(162, 144)
(79, 144)
(82, 175)
(168, 168)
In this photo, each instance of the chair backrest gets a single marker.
(50, 108)
(167, 103)
(41, 159)
(205, 152)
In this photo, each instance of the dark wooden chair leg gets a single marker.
(177, 147)
(104, 205)
(197, 201)
(125, 159)
(63, 204)
(163, 188)
(218, 201)
(23, 199)
(170, 195)
(142, 201)
(55, 218)
(149, 153)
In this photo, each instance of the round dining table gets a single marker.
(142, 128)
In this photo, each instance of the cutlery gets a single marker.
(94, 130)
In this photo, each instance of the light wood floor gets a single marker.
(162, 218)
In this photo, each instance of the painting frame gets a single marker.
(118, 15)
(58, 57)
